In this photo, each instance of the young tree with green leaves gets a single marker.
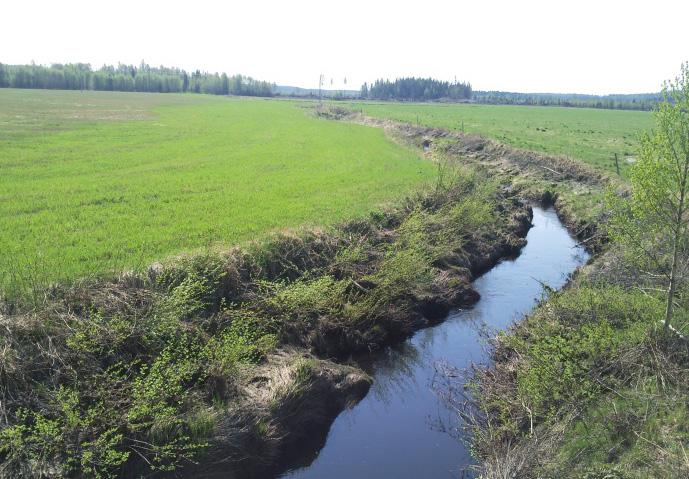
(652, 222)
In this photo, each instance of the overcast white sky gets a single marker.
(583, 46)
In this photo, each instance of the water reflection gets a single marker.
(393, 370)
(402, 428)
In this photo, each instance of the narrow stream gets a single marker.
(400, 428)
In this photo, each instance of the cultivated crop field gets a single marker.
(94, 182)
(591, 135)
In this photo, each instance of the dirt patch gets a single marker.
(334, 112)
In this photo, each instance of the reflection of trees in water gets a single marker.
(396, 368)
(449, 384)
(452, 386)
(393, 371)
(455, 403)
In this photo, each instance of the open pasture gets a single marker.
(95, 182)
(591, 135)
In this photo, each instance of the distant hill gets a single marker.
(287, 90)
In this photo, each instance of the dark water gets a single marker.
(401, 428)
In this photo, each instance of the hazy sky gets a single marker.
(527, 45)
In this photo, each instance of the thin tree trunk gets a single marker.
(671, 289)
(673, 271)
(677, 233)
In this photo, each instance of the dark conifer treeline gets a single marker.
(416, 89)
(142, 78)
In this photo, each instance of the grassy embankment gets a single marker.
(160, 366)
(590, 135)
(214, 357)
(219, 356)
(587, 386)
(98, 182)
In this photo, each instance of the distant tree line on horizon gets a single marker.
(428, 89)
(641, 101)
(142, 78)
(416, 89)
(146, 78)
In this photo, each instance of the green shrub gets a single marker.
(71, 437)
(247, 339)
(195, 285)
(571, 337)
(98, 334)
(162, 397)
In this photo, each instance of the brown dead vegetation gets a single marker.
(495, 155)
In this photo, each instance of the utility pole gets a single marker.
(321, 79)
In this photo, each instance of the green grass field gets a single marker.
(96, 182)
(591, 135)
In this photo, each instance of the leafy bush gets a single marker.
(246, 340)
(571, 337)
(73, 437)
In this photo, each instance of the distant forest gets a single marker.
(146, 78)
(428, 89)
(642, 101)
(416, 89)
(142, 78)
